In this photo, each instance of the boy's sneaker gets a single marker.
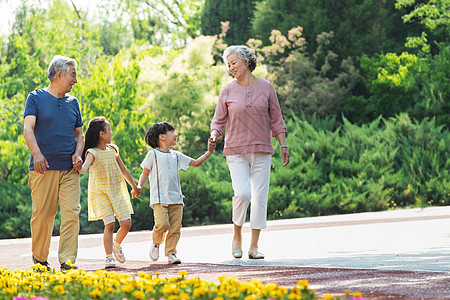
(118, 254)
(67, 267)
(45, 263)
(110, 263)
(154, 252)
(173, 259)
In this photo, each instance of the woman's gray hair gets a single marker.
(244, 53)
(60, 63)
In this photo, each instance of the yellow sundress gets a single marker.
(108, 193)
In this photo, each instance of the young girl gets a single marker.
(108, 194)
(161, 166)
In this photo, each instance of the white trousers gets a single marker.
(250, 177)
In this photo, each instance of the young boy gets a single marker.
(161, 166)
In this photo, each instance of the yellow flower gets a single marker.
(250, 297)
(185, 296)
(328, 297)
(294, 296)
(183, 273)
(70, 264)
(234, 294)
(170, 288)
(303, 284)
(73, 273)
(357, 294)
(198, 292)
(127, 288)
(142, 274)
(218, 298)
(149, 289)
(86, 282)
(59, 289)
(95, 294)
(271, 286)
(37, 285)
(11, 290)
(63, 278)
(139, 294)
(39, 268)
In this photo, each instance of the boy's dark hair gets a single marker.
(152, 136)
(91, 137)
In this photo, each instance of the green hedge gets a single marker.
(334, 169)
(381, 165)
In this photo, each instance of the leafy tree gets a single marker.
(162, 23)
(183, 90)
(302, 85)
(362, 27)
(434, 15)
(238, 13)
(415, 82)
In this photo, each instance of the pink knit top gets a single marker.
(250, 114)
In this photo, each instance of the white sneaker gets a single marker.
(118, 254)
(110, 263)
(154, 252)
(173, 259)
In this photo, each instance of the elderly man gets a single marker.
(53, 133)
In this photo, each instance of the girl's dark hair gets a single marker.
(92, 135)
(152, 136)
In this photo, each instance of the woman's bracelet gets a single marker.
(284, 146)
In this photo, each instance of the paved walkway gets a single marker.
(402, 253)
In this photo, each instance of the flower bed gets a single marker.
(40, 284)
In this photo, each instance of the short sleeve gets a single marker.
(148, 160)
(79, 121)
(183, 161)
(93, 152)
(115, 148)
(30, 106)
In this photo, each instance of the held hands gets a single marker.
(77, 162)
(211, 144)
(136, 192)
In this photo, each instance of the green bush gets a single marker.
(384, 164)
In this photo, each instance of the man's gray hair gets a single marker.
(60, 63)
(244, 53)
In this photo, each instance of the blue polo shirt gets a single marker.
(56, 120)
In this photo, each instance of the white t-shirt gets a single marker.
(164, 181)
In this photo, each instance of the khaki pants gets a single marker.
(47, 191)
(167, 219)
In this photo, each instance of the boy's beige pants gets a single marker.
(167, 219)
(47, 191)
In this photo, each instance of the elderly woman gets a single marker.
(249, 107)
